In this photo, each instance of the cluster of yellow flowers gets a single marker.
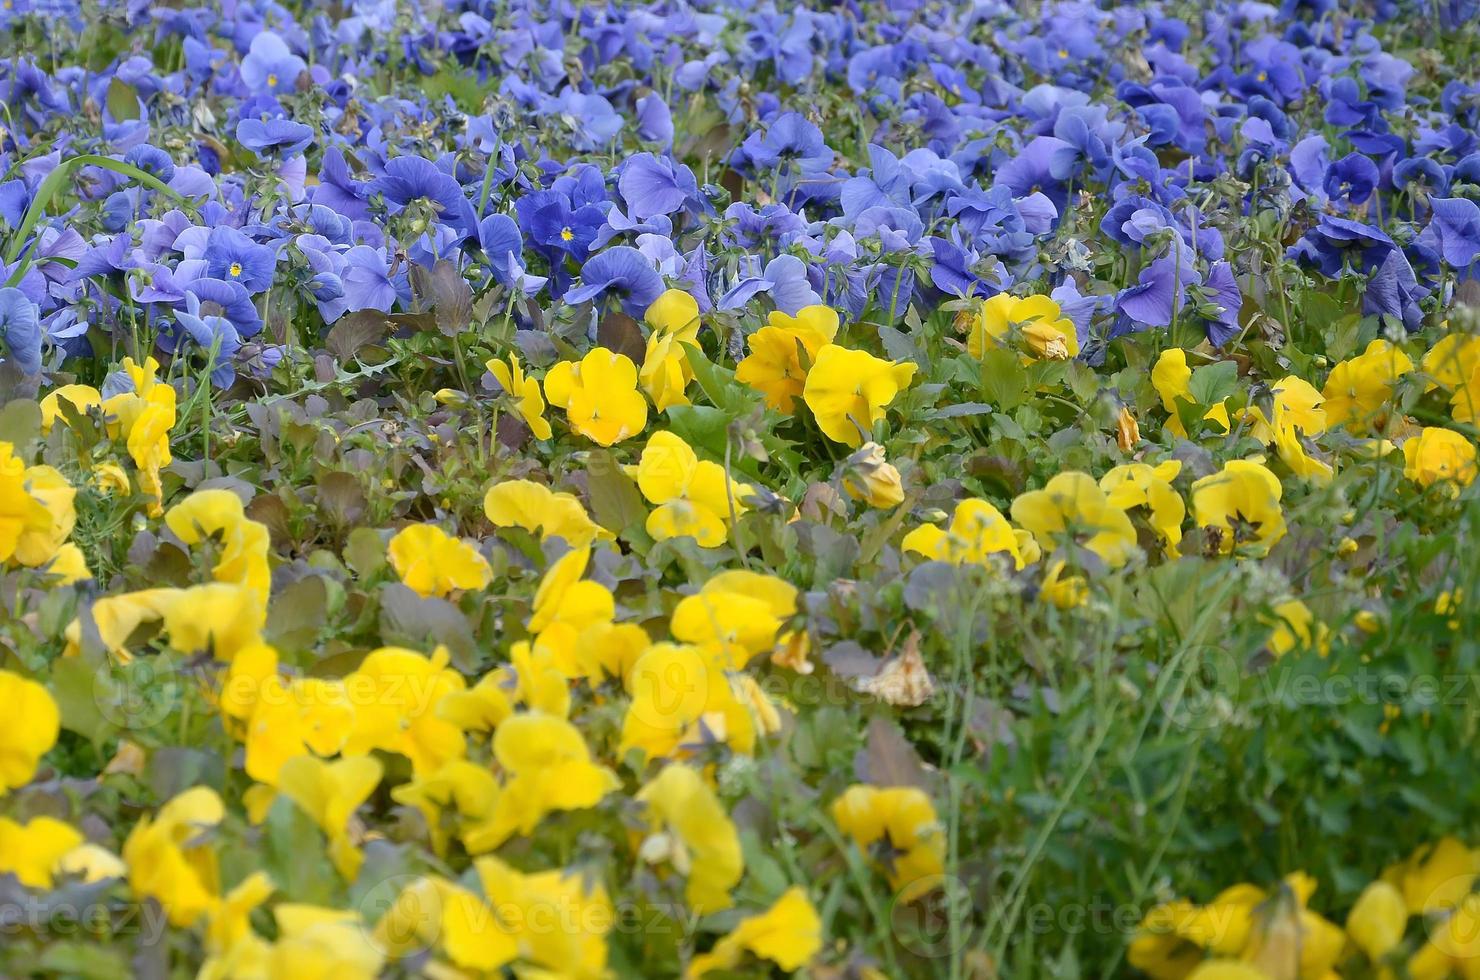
(1420, 919)
(36, 518)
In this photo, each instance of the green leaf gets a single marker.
(1004, 382)
(616, 503)
(1214, 382)
(717, 383)
(123, 100)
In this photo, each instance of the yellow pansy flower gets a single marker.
(330, 792)
(788, 934)
(1133, 485)
(848, 391)
(1241, 504)
(1072, 505)
(599, 396)
(169, 859)
(691, 832)
(1435, 876)
(694, 497)
(665, 372)
(244, 542)
(540, 510)
(1171, 377)
(868, 476)
(524, 391)
(904, 820)
(1358, 389)
(395, 693)
(316, 943)
(977, 529)
(1437, 455)
(1377, 922)
(1036, 321)
(32, 851)
(221, 617)
(738, 613)
(683, 702)
(433, 563)
(782, 352)
(561, 918)
(80, 397)
(32, 725)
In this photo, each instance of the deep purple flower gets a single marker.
(1159, 294)
(1352, 178)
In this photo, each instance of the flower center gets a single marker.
(235, 270)
(566, 234)
(272, 81)
(1063, 53)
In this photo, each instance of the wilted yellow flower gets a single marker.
(599, 396)
(32, 724)
(665, 372)
(788, 934)
(171, 859)
(868, 476)
(433, 563)
(1359, 388)
(1171, 377)
(848, 390)
(524, 391)
(1036, 322)
(1072, 505)
(904, 819)
(1241, 504)
(330, 792)
(691, 832)
(1135, 485)
(695, 498)
(244, 542)
(782, 352)
(977, 529)
(1436, 455)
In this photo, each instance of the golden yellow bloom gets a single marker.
(33, 851)
(67, 566)
(27, 526)
(782, 352)
(1438, 454)
(330, 792)
(694, 497)
(540, 510)
(665, 372)
(244, 542)
(30, 730)
(1358, 389)
(1171, 377)
(848, 391)
(524, 391)
(317, 943)
(599, 396)
(395, 697)
(1072, 505)
(869, 477)
(117, 616)
(738, 613)
(547, 767)
(1241, 504)
(1295, 627)
(559, 918)
(1036, 322)
(80, 397)
(143, 418)
(170, 858)
(788, 934)
(1377, 922)
(1135, 485)
(977, 529)
(433, 563)
(901, 821)
(691, 832)
(683, 702)
(464, 790)
(1435, 876)
(221, 617)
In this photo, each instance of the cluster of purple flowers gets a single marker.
(889, 155)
